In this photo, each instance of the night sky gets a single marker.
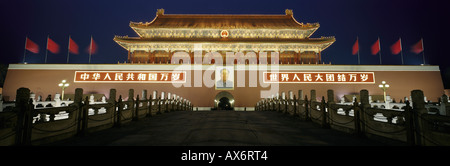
(345, 19)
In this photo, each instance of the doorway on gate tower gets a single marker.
(224, 104)
(224, 101)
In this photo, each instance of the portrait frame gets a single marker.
(229, 85)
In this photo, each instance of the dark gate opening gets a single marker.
(224, 104)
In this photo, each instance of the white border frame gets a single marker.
(75, 75)
(216, 78)
(374, 81)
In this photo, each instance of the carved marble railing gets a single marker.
(27, 125)
(415, 125)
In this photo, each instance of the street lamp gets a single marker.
(63, 85)
(383, 86)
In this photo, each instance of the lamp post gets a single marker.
(63, 85)
(383, 86)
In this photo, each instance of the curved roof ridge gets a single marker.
(245, 21)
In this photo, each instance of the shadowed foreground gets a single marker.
(219, 128)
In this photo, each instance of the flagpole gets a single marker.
(357, 40)
(68, 50)
(25, 48)
(423, 52)
(379, 49)
(401, 50)
(90, 50)
(46, 50)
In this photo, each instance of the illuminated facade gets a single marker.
(168, 33)
(248, 79)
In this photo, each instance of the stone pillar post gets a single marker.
(364, 97)
(330, 96)
(313, 95)
(23, 127)
(119, 112)
(144, 94)
(155, 94)
(300, 94)
(159, 105)
(445, 104)
(112, 101)
(77, 102)
(283, 102)
(409, 124)
(131, 101)
(307, 105)
(135, 115)
(130, 94)
(83, 118)
(295, 106)
(418, 110)
(324, 113)
(418, 100)
(162, 102)
(149, 107)
(112, 96)
(166, 103)
(330, 101)
(78, 96)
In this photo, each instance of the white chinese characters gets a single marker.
(320, 77)
(134, 76)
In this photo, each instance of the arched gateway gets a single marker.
(224, 101)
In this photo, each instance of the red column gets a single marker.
(235, 60)
(300, 57)
(170, 57)
(257, 57)
(129, 56)
(295, 57)
(132, 57)
(320, 57)
(153, 57)
(148, 57)
(191, 56)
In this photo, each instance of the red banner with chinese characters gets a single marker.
(320, 77)
(130, 76)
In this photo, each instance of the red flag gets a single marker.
(52, 46)
(376, 47)
(355, 48)
(396, 48)
(73, 47)
(31, 46)
(418, 47)
(93, 47)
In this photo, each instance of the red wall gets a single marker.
(44, 82)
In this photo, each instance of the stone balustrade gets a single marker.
(416, 125)
(28, 125)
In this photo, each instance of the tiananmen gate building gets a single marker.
(239, 57)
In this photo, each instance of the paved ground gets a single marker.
(219, 128)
